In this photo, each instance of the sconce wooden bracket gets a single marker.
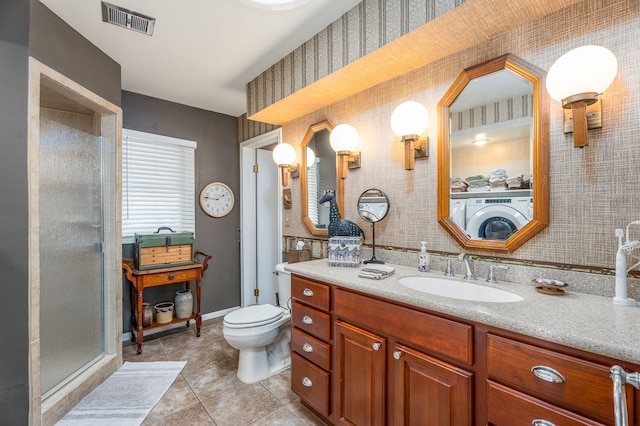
(294, 170)
(594, 117)
(414, 148)
(577, 106)
(347, 160)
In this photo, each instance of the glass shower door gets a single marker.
(71, 236)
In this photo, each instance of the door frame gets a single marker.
(248, 212)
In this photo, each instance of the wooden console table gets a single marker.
(156, 277)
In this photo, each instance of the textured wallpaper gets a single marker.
(593, 190)
(365, 28)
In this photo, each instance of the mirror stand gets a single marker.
(373, 206)
(373, 246)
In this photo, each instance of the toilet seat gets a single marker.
(253, 316)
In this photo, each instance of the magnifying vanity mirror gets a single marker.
(373, 206)
(493, 155)
(319, 177)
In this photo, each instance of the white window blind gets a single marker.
(312, 193)
(158, 174)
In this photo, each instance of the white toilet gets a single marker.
(262, 334)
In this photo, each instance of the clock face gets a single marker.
(216, 199)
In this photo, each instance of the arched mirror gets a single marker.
(373, 206)
(318, 177)
(493, 155)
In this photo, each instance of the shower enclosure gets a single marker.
(75, 250)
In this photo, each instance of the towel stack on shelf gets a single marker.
(376, 271)
(458, 185)
(498, 179)
(478, 183)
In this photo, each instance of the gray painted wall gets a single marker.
(29, 28)
(217, 159)
(14, 335)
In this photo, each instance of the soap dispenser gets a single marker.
(424, 263)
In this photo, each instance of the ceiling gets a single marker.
(202, 52)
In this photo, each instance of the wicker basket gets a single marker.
(164, 312)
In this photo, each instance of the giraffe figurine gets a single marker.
(339, 227)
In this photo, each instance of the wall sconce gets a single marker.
(344, 140)
(408, 121)
(284, 155)
(576, 79)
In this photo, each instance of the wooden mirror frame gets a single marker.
(540, 152)
(313, 129)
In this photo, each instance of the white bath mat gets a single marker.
(126, 397)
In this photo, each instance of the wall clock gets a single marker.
(216, 199)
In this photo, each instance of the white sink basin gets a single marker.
(459, 289)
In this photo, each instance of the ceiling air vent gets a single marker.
(127, 19)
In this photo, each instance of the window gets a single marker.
(158, 175)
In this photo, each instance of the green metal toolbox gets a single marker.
(163, 250)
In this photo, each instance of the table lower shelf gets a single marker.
(137, 336)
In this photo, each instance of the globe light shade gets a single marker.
(311, 157)
(587, 69)
(284, 154)
(409, 118)
(344, 137)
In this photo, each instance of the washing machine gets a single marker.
(457, 212)
(497, 218)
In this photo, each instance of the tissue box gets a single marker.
(345, 251)
(296, 256)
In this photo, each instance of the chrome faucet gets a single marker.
(466, 258)
(491, 278)
(449, 271)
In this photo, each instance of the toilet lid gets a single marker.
(254, 315)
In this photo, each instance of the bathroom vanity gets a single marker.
(372, 352)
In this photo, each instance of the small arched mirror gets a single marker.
(318, 177)
(493, 180)
(373, 206)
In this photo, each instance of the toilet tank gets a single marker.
(284, 285)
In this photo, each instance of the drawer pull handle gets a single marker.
(376, 346)
(547, 374)
(171, 276)
(540, 422)
(307, 382)
(397, 354)
(307, 347)
(307, 319)
(307, 292)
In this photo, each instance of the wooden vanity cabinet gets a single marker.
(548, 384)
(382, 373)
(375, 362)
(311, 344)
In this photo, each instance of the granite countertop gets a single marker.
(577, 320)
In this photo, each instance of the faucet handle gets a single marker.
(491, 277)
(449, 271)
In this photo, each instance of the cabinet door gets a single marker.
(359, 376)
(429, 391)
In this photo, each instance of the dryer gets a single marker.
(497, 218)
(457, 212)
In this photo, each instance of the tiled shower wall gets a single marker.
(592, 190)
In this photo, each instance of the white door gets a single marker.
(267, 238)
(260, 219)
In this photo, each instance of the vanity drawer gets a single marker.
(505, 405)
(429, 332)
(310, 292)
(311, 383)
(311, 320)
(312, 349)
(584, 386)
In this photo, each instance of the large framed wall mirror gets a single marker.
(318, 175)
(493, 155)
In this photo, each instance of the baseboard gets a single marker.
(211, 315)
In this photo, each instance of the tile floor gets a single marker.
(207, 392)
